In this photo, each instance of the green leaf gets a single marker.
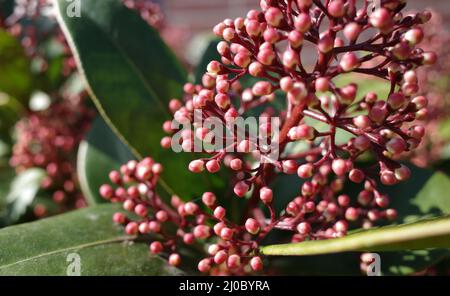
(42, 248)
(426, 234)
(210, 54)
(132, 75)
(99, 154)
(16, 79)
(23, 190)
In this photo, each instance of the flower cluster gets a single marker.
(267, 48)
(150, 12)
(49, 139)
(434, 83)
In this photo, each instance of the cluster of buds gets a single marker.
(49, 139)
(29, 15)
(177, 223)
(33, 24)
(268, 45)
(150, 12)
(433, 81)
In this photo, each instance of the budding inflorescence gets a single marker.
(268, 45)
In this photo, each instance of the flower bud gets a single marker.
(252, 226)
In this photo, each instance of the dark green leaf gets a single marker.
(42, 248)
(99, 154)
(209, 55)
(132, 75)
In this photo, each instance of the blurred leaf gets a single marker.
(16, 79)
(132, 77)
(42, 248)
(10, 112)
(22, 192)
(99, 154)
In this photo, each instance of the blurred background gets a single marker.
(200, 15)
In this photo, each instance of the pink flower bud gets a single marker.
(141, 210)
(234, 261)
(429, 58)
(266, 195)
(356, 175)
(305, 171)
(381, 18)
(119, 218)
(388, 178)
(303, 22)
(295, 39)
(252, 226)
(256, 263)
(352, 31)
(289, 166)
(362, 122)
(241, 189)
(131, 228)
(174, 259)
(290, 58)
(213, 166)
(236, 164)
(202, 231)
(396, 100)
(219, 213)
(274, 16)
(326, 44)
(322, 84)
(242, 59)
(154, 226)
(336, 8)
(226, 233)
(106, 191)
(403, 173)
(304, 228)
(253, 28)
(362, 143)
(339, 167)
(196, 166)
(351, 214)
(343, 200)
(349, 62)
(220, 257)
(396, 146)
(162, 216)
(190, 208)
(262, 88)
(204, 265)
(156, 248)
(414, 36)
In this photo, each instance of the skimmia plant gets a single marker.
(291, 138)
(268, 44)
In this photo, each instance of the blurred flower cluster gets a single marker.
(48, 137)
